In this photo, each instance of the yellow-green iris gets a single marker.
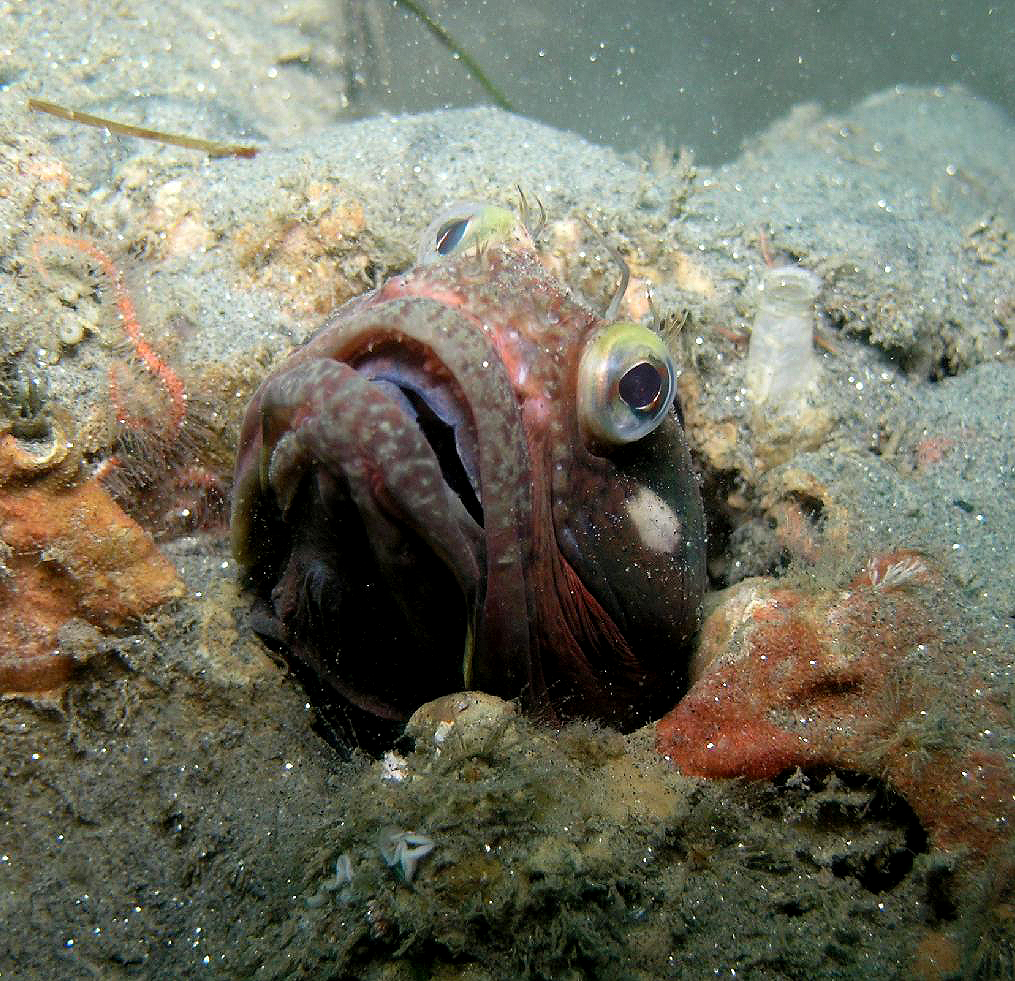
(462, 226)
(626, 383)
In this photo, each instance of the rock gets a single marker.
(873, 679)
(69, 554)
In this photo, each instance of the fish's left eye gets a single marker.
(626, 383)
(467, 224)
(450, 234)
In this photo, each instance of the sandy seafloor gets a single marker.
(174, 814)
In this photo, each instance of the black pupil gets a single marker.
(450, 235)
(639, 387)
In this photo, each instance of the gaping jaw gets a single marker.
(430, 399)
(395, 440)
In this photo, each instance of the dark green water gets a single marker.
(702, 75)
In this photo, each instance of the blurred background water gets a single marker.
(705, 75)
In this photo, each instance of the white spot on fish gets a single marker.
(657, 524)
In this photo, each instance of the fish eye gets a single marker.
(465, 225)
(450, 234)
(626, 383)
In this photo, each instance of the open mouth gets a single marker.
(384, 572)
(445, 439)
(385, 514)
(431, 398)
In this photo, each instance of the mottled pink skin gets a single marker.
(574, 612)
(873, 679)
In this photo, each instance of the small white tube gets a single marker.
(781, 362)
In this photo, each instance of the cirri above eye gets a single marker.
(626, 383)
(461, 226)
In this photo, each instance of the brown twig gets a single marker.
(211, 147)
